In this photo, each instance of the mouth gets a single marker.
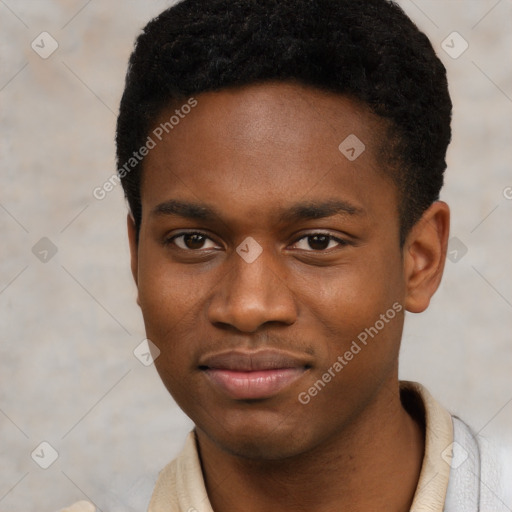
(253, 375)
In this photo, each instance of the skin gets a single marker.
(251, 154)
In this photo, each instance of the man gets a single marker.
(282, 161)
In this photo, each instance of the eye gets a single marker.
(191, 241)
(318, 242)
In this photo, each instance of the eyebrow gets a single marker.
(301, 211)
(319, 210)
(185, 209)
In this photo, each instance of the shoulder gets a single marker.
(164, 497)
(180, 485)
(477, 473)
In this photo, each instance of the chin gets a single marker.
(260, 448)
(257, 439)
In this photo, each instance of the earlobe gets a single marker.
(134, 255)
(424, 256)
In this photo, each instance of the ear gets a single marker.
(425, 255)
(134, 253)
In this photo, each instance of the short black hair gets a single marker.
(365, 49)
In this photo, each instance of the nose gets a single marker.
(252, 294)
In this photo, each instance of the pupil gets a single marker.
(318, 242)
(194, 241)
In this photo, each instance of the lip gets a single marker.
(253, 375)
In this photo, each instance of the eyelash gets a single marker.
(341, 242)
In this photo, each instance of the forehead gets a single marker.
(263, 145)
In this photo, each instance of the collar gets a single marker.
(180, 486)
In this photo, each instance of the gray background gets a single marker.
(69, 325)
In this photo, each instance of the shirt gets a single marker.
(180, 486)
(459, 472)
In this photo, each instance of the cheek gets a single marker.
(167, 300)
(358, 313)
(173, 300)
(170, 313)
(352, 296)
(166, 292)
(359, 330)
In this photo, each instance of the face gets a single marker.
(265, 255)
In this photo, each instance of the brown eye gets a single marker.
(318, 242)
(192, 241)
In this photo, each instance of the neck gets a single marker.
(373, 464)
